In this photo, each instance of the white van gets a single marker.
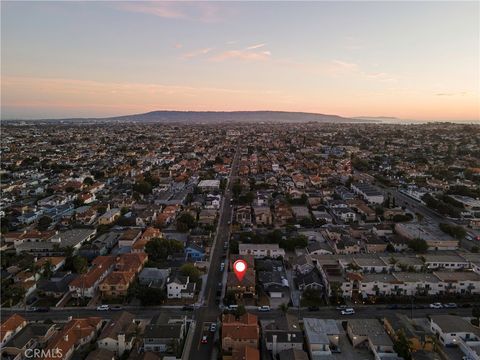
(347, 311)
(264, 308)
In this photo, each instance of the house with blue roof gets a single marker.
(194, 252)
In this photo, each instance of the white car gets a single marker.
(103, 308)
(264, 308)
(436, 306)
(450, 306)
(348, 311)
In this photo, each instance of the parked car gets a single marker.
(436, 306)
(392, 306)
(264, 308)
(187, 308)
(348, 311)
(213, 327)
(450, 306)
(313, 308)
(204, 339)
(103, 308)
(116, 308)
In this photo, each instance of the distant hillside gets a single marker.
(233, 116)
(217, 117)
(164, 116)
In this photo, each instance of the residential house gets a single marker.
(129, 237)
(237, 333)
(55, 263)
(260, 251)
(118, 335)
(57, 285)
(311, 280)
(10, 327)
(453, 330)
(75, 333)
(243, 215)
(244, 288)
(86, 285)
(126, 268)
(283, 333)
(370, 333)
(109, 217)
(154, 277)
(263, 215)
(162, 338)
(417, 336)
(32, 336)
(245, 353)
(322, 336)
(194, 252)
(207, 217)
(149, 234)
(180, 287)
(302, 264)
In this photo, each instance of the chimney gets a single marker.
(65, 337)
(289, 337)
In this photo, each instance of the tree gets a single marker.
(160, 249)
(455, 231)
(284, 308)
(88, 181)
(311, 297)
(190, 270)
(476, 313)
(143, 187)
(185, 222)
(47, 269)
(418, 245)
(44, 222)
(150, 296)
(229, 298)
(11, 293)
(240, 311)
(290, 244)
(79, 264)
(237, 189)
(402, 345)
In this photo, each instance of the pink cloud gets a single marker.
(196, 53)
(257, 46)
(199, 11)
(161, 9)
(246, 55)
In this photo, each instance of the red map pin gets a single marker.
(240, 267)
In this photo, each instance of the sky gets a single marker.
(411, 59)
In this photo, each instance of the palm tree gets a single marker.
(392, 260)
(284, 308)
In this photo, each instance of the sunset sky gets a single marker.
(412, 60)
